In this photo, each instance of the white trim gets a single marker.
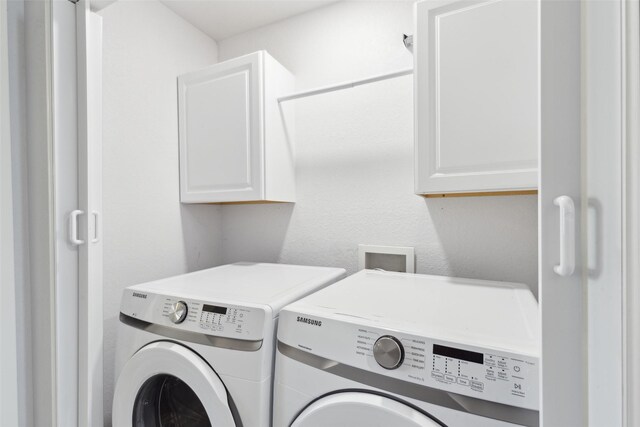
(9, 391)
(631, 213)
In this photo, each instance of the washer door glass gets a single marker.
(167, 401)
(165, 384)
(351, 409)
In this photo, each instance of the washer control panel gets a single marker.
(217, 319)
(492, 375)
(484, 372)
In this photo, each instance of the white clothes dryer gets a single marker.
(409, 350)
(198, 349)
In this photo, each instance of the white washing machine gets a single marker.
(405, 350)
(197, 349)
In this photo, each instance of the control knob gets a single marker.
(388, 352)
(178, 312)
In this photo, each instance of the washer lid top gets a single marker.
(256, 283)
(476, 312)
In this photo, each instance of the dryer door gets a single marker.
(166, 384)
(348, 409)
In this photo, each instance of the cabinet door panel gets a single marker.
(221, 156)
(219, 146)
(477, 96)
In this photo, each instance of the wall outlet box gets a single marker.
(388, 258)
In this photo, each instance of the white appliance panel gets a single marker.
(476, 312)
(484, 373)
(244, 283)
(208, 317)
(230, 319)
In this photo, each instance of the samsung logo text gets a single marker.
(309, 321)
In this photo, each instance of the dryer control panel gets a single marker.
(216, 319)
(484, 373)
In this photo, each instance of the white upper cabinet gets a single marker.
(477, 96)
(234, 145)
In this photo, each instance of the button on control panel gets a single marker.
(388, 352)
(485, 374)
(178, 312)
(219, 318)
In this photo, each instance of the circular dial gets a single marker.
(388, 352)
(178, 312)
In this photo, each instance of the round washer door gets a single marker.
(166, 384)
(351, 409)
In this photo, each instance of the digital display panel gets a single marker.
(214, 309)
(456, 353)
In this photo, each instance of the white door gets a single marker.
(66, 161)
(165, 383)
(221, 132)
(89, 124)
(65, 259)
(361, 409)
(562, 292)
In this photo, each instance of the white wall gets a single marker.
(355, 161)
(148, 233)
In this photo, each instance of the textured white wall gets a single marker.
(148, 233)
(355, 161)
